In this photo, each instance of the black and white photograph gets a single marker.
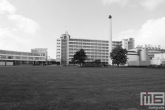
(82, 54)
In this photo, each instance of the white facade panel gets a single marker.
(9, 63)
(2, 63)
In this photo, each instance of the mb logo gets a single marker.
(152, 98)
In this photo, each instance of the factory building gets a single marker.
(95, 49)
(152, 50)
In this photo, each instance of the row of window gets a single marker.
(88, 43)
(90, 47)
(85, 40)
(19, 53)
(93, 56)
(92, 59)
(71, 49)
(116, 44)
(86, 46)
(21, 58)
(92, 53)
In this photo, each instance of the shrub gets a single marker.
(92, 65)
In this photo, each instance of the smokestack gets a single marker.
(110, 39)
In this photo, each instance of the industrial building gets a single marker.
(23, 58)
(158, 59)
(95, 49)
(152, 50)
(100, 49)
(138, 57)
(142, 56)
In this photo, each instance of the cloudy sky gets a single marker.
(26, 24)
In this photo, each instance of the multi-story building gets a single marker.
(125, 43)
(21, 58)
(40, 51)
(128, 43)
(95, 49)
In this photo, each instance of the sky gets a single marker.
(27, 24)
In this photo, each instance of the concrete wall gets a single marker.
(163, 62)
(132, 57)
(138, 63)
(157, 62)
(9, 63)
(133, 63)
(144, 63)
(159, 56)
(2, 63)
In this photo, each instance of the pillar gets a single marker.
(110, 39)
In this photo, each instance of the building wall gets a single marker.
(128, 43)
(58, 51)
(138, 54)
(131, 43)
(41, 52)
(95, 49)
(19, 57)
(158, 59)
(132, 55)
(125, 44)
(116, 43)
(159, 56)
(152, 50)
(138, 57)
(65, 48)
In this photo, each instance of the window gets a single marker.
(17, 57)
(9, 57)
(24, 58)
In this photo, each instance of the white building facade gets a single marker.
(158, 59)
(95, 49)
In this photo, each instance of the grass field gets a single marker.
(76, 88)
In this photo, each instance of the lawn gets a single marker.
(76, 88)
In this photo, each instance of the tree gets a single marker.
(79, 56)
(118, 55)
(97, 62)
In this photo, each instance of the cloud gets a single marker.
(9, 41)
(152, 32)
(151, 4)
(6, 6)
(25, 24)
(121, 2)
(15, 38)
(147, 4)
